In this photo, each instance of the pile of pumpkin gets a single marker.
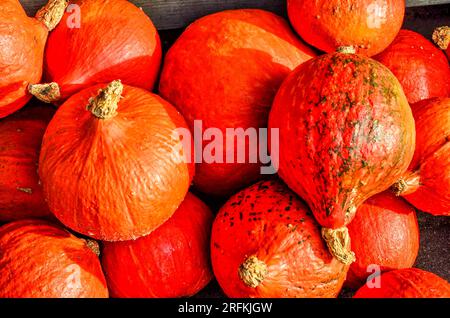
(364, 140)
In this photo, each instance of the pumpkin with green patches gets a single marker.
(265, 243)
(346, 133)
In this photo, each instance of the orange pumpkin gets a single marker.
(385, 233)
(41, 260)
(225, 70)
(117, 169)
(20, 141)
(265, 243)
(426, 184)
(22, 46)
(367, 25)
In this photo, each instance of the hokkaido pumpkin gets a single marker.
(421, 68)
(407, 283)
(20, 141)
(116, 169)
(426, 184)
(265, 243)
(173, 261)
(224, 71)
(22, 46)
(385, 233)
(118, 41)
(441, 36)
(346, 133)
(41, 260)
(369, 26)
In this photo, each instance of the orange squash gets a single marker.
(41, 260)
(22, 46)
(367, 25)
(224, 71)
(385, 233)
(265, 243)
(426, 184)
(20, 142)
(117, 169)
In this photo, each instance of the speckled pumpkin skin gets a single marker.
(20, 142)
(225, 70)
(384, 232)
(270, 221)
(368, 25)
(421, 68)
(41, 260)
(431, 161)
(407, 283)
(346, 133)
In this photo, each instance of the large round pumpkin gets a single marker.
(22, 46)
(421, 68)
(224, 71)
(426, 184)
(99, 41)
(346, 133)
(41, 260)
(369, 26)
(173, 261)
(20, 141)
(384, 233)
(265, 243)
(117, 169)
(407, 283)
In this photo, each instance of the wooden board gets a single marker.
(173, 14)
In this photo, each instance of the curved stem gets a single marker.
(105, 104)
(51, 14)
(338, 242)
(407, 184)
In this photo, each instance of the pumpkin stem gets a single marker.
(441, 36)
(338, 242)
(51, 14)
(104, 105)
(346, 49)
(253, 271)
(93, 246)
(48, 93)
(407, 184)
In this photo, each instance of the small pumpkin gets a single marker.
(441, 36)
(385, 233)
(20, 141)
(41, 260)
(426, 184)
(22, 46)
(421, 68)
(173, 261)
(265, 243)
(224, 71)
(118, 41)
(115, 169)
(346, 133)
(369, 26)
(407, 283)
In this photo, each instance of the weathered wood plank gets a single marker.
(172, 14)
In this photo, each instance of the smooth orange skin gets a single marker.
(407, 283)
(173, 261)
(22, 43)
(21, 135)
(271, 222)
(367, 25)
(384, 232)
(421, 68)
(225, 70)
(431, 159)
(41, 260)
(115, 179)
(346, 133)
(115, 40)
